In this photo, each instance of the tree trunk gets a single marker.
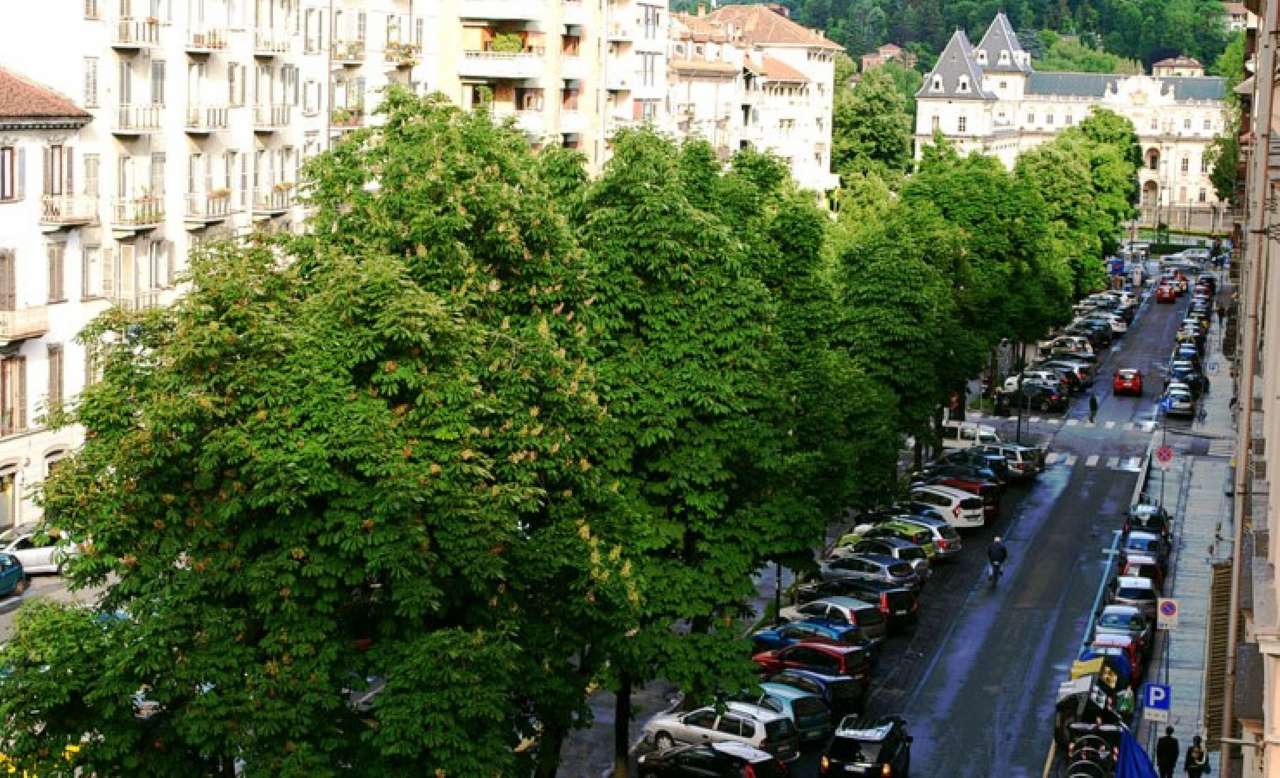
(919, 454)
(549, 746)
(622, 728)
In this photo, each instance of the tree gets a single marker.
(1224, 155)
(871, 127)
(1230, 65)
(372, 463)
(1071, 54)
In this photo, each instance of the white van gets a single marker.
(960, 508)
(967, 434)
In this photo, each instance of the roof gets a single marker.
(956, 62)
(25, 103)
(1098, 84)
(777, 70)
(760, 24)
(1000, 37)
(1235, 9)
(1179, 61)
(889, 48)
(703, 67)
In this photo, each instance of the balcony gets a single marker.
(347, 52)
(207, 207)
(571, 67)
(500, 64)
(273, 201)
(204, 119)
(617, 82)
(269, 118)
(401, 55)
(619, 34)
(511, 10)
(572, 12)
(136, 119)
(131, 34)
(135, 214)
(206, 41)
(23, 324)
(67, 210)
(347, 118)
(270, 43)
(531, 123)
(572, 121)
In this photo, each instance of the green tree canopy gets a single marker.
(871, 127)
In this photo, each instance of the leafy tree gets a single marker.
(1230, 65)
(1224, 155)
(1071, 54)
(871, 128)
(374, 461)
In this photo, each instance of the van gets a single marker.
(967, 434)
(959, 508)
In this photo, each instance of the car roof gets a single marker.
(880, 559)
(742, 750)
(787, 692)
(927, 522)
(1134, 582)
(858, 728)
(844, 601)
(1128, 371)
(755, 711)
(891, 540)
(814, 675)
(949, 491)
(1140, 559)
(1143, 535)
(1124, 610)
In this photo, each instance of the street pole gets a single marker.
(1022, 360)
(777, 594)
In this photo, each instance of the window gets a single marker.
(56, 254)
(649, 62)
(1069, 119)
(1048, 119)
(12, 173)
(1208, 123)
(13, 395)
(1185, 166)
(418, 32)
(1155, 123)
(937, 123)
(289, 84)
(311, 98)
(91, 9)
(157, 83)
(90, 273)
(157, 173)
(91, 82)
(704, 719)
(650, 21)
(962, 124)
(311, 26)
(1204, 196)
(1204, 163)
(91, 372)
(1031, 118)
(235, 84)
(962, 85)
(1004, 84)
(244, 179)
(936, 86)
(57, 170)
(1182, 194)
(91, 167)
(393, 28)
(55, 375)
(1186, 123)
(362, 26)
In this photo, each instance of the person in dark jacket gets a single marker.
(1167, 750)
(1093, 407)
(1196, 762)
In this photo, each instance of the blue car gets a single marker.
(820, 630)
(13, 579)
(842, 694)
(805, 709)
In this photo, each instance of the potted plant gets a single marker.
(507, 43)
(219, 194)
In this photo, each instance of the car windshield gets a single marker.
(869, 616)
(1136, 593)
(1127, 374)
(912, 552)
(900, 569)
(949, 533)
(1141, 544)
(971, 503)
(779, 729)
(1120, 620)
(10, 535)
(847, 749)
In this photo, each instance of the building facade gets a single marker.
(988, 98)
(747, 76)
(889, 52)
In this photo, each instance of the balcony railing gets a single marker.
(348, 52)
(269, 43)
(138, 212)
(501, 64)
(68, 209)
(130, 33)
(206, 40)
(138, 301)
(137, 119)
(402, 55)
(23, 324)
(270, 117)
(275, 200)
(208, 206)
(206, 118)
(347, 117)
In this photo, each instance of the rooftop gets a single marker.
(26, 103)
(777, 70)
(758, 25)
(1180, 61)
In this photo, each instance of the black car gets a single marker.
(711, 760)
(976, 457)
(1041, 397)
(898, 604)
(869, 747)
(976, 473)
(1148, 517)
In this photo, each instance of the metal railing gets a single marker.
(272, 200)
(68, 209)
(207, 205)
(211, 40)
(138, 118)
(206, 117)
(270, 42)
(268, 116)
(138, 211)
(136, 32)
(24, 323)
(348, 50)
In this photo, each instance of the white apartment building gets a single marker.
(746, 76)
(988, 98)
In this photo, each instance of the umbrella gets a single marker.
(1134, 762)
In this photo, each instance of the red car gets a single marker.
(1166, 293)
(828, 658)
(1127, 381)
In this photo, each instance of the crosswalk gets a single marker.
(1222, 447)
(1128, 426)
(1123, 464)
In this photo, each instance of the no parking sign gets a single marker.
(1166, 613)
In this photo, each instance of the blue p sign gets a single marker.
(1156, 696)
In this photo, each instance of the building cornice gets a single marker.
(44, 123)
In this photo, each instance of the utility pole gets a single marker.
(1022, 361)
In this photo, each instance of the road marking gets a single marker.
(1132, 464)
(1092, 461)
(1113, 462)
(1072, 422)
(1110, 425)
(1035, 419)
(1071, 460)
(1052, 458)
(1130, 426)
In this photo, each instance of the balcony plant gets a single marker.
(283, 186)
(218, 194)
(507, 43)
(402, 54)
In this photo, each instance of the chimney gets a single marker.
(702, 10)
(779, 9)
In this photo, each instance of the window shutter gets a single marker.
(169, 261)
(68, 163)
(55, 376)
(51, 257)
(8, 292)
(47, 153)
(20, 423)
(20, 188)
(109, 273)
(361, 25)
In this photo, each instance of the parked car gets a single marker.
(1122, 645)
(1166, 293)
(794, 632)
(904, 530)
(1127, 381)
(729, 759)
(1084, 369)
(824, 657)
(1139, 592)
(946, 541)
(1031, 374)
(1179, 401)
(842, 694)
(13, 579)
(1151, 544)
(749, 725)
(1186, 373)
(841, 610)
(37, 552)
(985, 489)
(1149, 517)
(965, 434)
(1143, 566)
(1042, 397)
(902, 550)
(880, 747)
(898, 604)
(960, 508)
(872, 567)
(980, 457)
(806, 710)
(1128, 621)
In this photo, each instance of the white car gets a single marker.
(1178, 401)
(741, 722)
(1032, 376)
(35, 557)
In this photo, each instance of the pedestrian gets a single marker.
(1196, 762)
(1093, 407)
(1167, 750)
(1222, 312)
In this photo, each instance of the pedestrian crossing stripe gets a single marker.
(1133, 464)
(1113, 462)
(1130, 426)
(1092, 461)
(1071, 460)
(1072, 422)
(1035, 419)
(1052, 458)
(1110, 425)
(1222, 447)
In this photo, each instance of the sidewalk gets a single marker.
(1197, 490)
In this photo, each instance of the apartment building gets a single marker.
(51, 282)
(747, 76)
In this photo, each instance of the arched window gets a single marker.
(962, 85)
(1153, 159)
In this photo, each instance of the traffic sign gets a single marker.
(1164, 455)
(1156, 700)
(1166, 613)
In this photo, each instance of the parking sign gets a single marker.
(1166, 613)
(1156, 699)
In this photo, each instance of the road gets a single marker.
(978, 678)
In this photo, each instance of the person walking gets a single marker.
(1093, 407)
(1196, 762)
(1167, 750)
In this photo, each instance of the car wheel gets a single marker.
(663, 741)
(22, 586)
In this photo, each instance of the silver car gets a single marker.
(37, 554)
(1137, 592)
(751, 725)
(871, 567)
(1178, 401)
